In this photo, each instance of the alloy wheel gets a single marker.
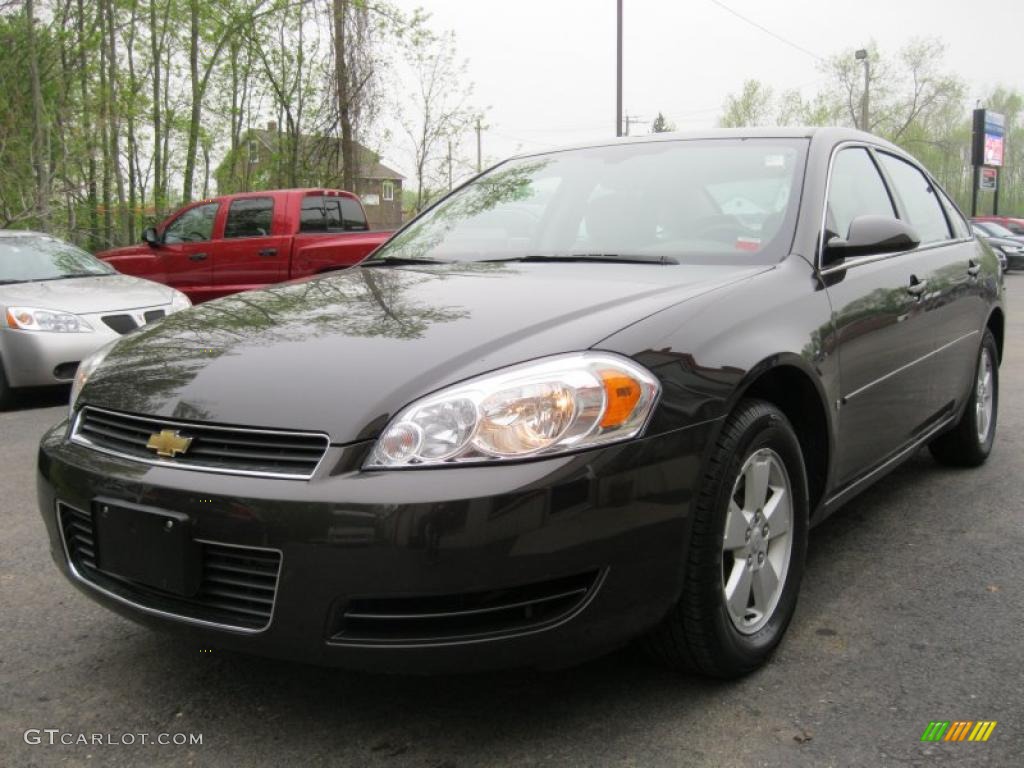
(757, 545)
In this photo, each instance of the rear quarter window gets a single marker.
(921, 206)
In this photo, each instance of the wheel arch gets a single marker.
(787, 382)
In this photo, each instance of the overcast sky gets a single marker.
(546, 68)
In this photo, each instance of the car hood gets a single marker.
(87, 295)
(341, 354)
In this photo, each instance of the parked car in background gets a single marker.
(1008, 247)
(592, 395)
(1013, 223)
(235, 243)
(58, 305)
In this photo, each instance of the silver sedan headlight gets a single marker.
(549, 406)
(51, 320)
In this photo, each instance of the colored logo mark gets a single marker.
(958, 730)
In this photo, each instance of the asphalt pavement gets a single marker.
(912, 610)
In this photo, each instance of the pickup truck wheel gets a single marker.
(969, 443)
(747, 547)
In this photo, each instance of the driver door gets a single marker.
(185, 253)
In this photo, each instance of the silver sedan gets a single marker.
(58, 304)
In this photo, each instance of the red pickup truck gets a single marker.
(234, 243)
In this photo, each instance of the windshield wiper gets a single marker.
(399, 261)
(613, 258)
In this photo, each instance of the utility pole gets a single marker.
(630, 119)
(449, 165)
(479, 160)
(865, 122)
(618, 73)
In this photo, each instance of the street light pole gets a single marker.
(865, 124)
(618, 73)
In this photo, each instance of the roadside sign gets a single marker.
(988, 179)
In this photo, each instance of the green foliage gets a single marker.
(662, 125)
(913, 102)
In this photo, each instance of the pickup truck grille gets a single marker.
(234, 450)
(237, 591)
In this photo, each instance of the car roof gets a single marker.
(826, 134)
(25, 233)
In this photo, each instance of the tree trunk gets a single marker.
(196, 114)
(115, 125)
(344, 95)
(88, 129)
(155, 52)
(40, 149)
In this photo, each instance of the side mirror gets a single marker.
(150, 237)
(870, 235)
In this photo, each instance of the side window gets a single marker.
(321, 213)
(194, 225)
(956, 219)
(313, 217)
(855, 189)
(250, 217)
(352, 215)
(919, 197)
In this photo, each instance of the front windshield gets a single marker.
(704, 201)
(27, 258)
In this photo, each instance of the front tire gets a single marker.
(747, 548)
(969, 443)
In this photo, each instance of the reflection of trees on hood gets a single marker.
(506, 185)
(368, 303)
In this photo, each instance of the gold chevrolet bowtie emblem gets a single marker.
(167, 442)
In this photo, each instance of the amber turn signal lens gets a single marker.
(622, 395)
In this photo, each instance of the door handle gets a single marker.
(268, 252)
(197, 257)
(973, 269)
(916, 287)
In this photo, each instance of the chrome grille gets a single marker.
(237, 591)
(237, 450)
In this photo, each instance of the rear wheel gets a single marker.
(969, 443)
(746, 552)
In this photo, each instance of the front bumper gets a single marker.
(43, 358)
(617, 518)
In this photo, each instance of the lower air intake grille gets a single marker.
(121, 323)
(471, 615)
(239, 450)
(153, 315)
(238, 585)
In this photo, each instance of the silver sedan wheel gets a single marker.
(984, 400)
(757, 544)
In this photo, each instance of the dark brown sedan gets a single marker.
(593, 395)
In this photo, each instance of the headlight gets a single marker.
(549, 406)
(179, 301)
(32, 319)
(87, 368)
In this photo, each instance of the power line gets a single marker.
(767, 31)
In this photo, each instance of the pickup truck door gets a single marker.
(185, 250)
(255, 249)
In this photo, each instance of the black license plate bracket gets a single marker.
(153, 547)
